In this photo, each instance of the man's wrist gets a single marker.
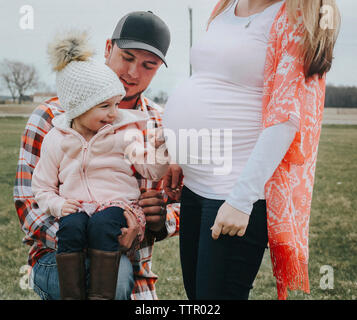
(161, 234)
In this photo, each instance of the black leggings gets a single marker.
(223, 268)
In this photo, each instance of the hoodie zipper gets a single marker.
(86, 146)
(84, 169)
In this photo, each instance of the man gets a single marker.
(135, 52)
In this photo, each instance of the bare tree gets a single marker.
(10, 85)
(18, 78)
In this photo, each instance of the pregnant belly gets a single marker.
(206, 118)
(207, 103)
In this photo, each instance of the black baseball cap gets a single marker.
(143, 30)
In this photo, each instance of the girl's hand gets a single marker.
(159, 137)
(229, 220)
(156, 137)
(70, 206)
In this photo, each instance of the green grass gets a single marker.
(333, 232)
(13, 254)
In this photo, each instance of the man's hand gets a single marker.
(154, 208)
(173, 182)
(229, 220)
(70, 206)
(128, 234)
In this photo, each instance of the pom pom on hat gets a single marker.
(68, 47)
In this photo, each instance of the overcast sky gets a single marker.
(100, 18)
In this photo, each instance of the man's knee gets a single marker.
(125, 282)
(44, 277)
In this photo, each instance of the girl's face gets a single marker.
(97, 117)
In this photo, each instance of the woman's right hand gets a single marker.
(70, 206)
(230, 221)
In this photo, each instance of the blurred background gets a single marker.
(26, 27)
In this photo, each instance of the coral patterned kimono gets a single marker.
(288, 192)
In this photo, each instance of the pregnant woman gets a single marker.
(259, 72)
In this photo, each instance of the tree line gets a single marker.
(341, 97)
(20, 78)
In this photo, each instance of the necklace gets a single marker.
(256, 15)
(251, 19)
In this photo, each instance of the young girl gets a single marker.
(85, 176)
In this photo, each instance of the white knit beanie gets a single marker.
(82, 83)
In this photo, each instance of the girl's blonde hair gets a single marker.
(320, 36)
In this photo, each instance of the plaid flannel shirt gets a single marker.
(40, 228)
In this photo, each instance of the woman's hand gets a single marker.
(173, 182)
(70, 206)
(229, 221)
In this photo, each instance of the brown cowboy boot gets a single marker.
(72, 275)
(104, 267)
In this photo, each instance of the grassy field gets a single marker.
(333, 231)
(17, 109)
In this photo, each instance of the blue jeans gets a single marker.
(224, 268)
(77, 232)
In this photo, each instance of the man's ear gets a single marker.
(108, 49)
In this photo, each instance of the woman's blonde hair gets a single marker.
(322, 23)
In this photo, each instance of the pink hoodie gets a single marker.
(98, 170)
